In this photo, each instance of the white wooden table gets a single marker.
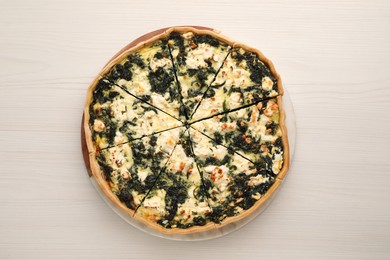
(334, 58)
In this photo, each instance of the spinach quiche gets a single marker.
(185, 130)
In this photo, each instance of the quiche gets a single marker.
(184, 131)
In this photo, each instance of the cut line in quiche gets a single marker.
(185, 131)
(233, 183)
(254, 132)
(116, 117)
(130, 170)
(197, 59)
(243, 80)
(148, 73)
(178, 199)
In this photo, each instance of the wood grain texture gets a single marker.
(334, 60)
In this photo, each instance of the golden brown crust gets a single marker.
(286, 148)
(147, 36)
(95, 169)
(84, 148)
(264, 198)
(176, 231)
(87, 131)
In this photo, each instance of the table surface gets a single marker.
(334, 60)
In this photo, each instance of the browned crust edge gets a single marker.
(286, 147)
(95, 169)
(147, 36)
(87, 131)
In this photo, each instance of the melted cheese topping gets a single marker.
(158, 63)
(139, 85)
(233, 74)
(124, 108)
(147, 53)
(197, 56)
(148, 122)
(137, 197)
(153, 206)
(277, 163)
(119, 138)
(119, 107)
(142, 174)
(259, 123)
(192, 207)
(179, 162)
(243, 165)
(167, 140)
(98, 125)
(156, 202)
(221, 175)
(256, 180)
(267, 83)
(120, 159)
(257, 127)
(184, 167)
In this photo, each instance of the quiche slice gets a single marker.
(197, 59)
(178, 200)
(254, 132)
(245, 78)
(233, 183)
(115, 117)
(130, 170)
(148, 74)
